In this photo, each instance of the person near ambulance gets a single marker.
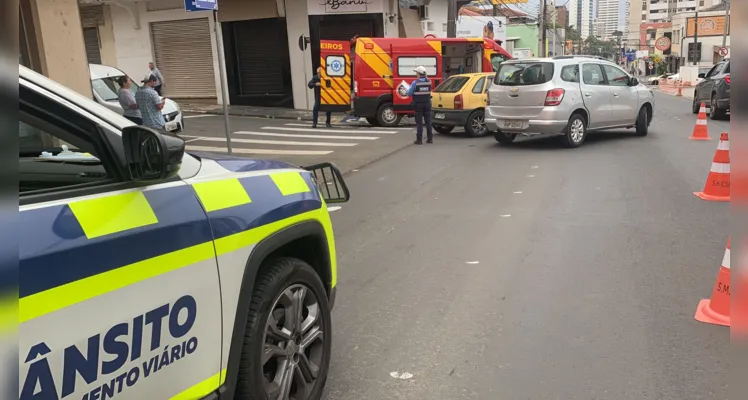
(316, 84)
(420, 92)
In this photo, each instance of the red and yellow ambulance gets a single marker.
(371, 76)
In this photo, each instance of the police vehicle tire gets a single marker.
(504, 138)
(372, 121)
(383, 112)
(276, 278)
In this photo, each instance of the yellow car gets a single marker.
(460, 101)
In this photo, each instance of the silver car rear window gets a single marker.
(524, 73)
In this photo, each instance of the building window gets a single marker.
(406, 65)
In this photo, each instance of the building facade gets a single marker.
(608, 15)
(657, 11)
(581, 16)
(264, 63)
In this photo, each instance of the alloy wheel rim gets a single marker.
(577, 130)
(478, 124)
(293, 345)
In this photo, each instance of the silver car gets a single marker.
(566, 96)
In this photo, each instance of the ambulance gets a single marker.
(370, 76)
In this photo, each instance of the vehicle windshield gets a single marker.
(496, 60)
(452, 85)
(106, 88)
(524, 73)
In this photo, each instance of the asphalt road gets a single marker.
(532, 271)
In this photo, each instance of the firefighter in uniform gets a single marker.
(420, 91)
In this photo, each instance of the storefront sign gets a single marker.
(493, 28)
(326, 7)
(708, 26)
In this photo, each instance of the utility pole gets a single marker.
(541, 25)
(452, 18)
(554, 37)
(727, 24)
(224, 86)
(696, 52)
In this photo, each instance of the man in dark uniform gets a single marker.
(315, 84)
(420, 91)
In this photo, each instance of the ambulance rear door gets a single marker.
(335, 90)
(405, 59)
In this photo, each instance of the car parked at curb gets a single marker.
(460, 101)
(105, 88)
(566, 96)
(714, 91)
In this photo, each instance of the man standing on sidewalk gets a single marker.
(420, 91)
(150, 104)
(315, 84)
(160, 83)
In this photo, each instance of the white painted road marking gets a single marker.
(333, 208)
(192, 140)
(299, 135)
(200, 116)
(261, 151)
(506, 215)
(517, 192)
(361, 127)
(280, 128)
(281, 142)
(472, 262)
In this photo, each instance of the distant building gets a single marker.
(581, 16)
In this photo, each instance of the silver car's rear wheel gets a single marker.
(576, 131)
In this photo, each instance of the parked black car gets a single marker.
(714, 91)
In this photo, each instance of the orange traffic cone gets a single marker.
(700, 131)
(717, 309)
(717, 187)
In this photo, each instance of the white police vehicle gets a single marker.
(149, 273)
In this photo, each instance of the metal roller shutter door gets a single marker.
(260, 57)
(183, 53)
(345, 30)
(91, 41)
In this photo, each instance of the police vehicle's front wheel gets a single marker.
(286, 353)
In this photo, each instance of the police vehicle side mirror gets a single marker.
(151, 155)
(330, 182)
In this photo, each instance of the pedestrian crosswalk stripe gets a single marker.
(241, 150)
(280, 128)
(301, 135)
(363, 127)
(281, 142)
